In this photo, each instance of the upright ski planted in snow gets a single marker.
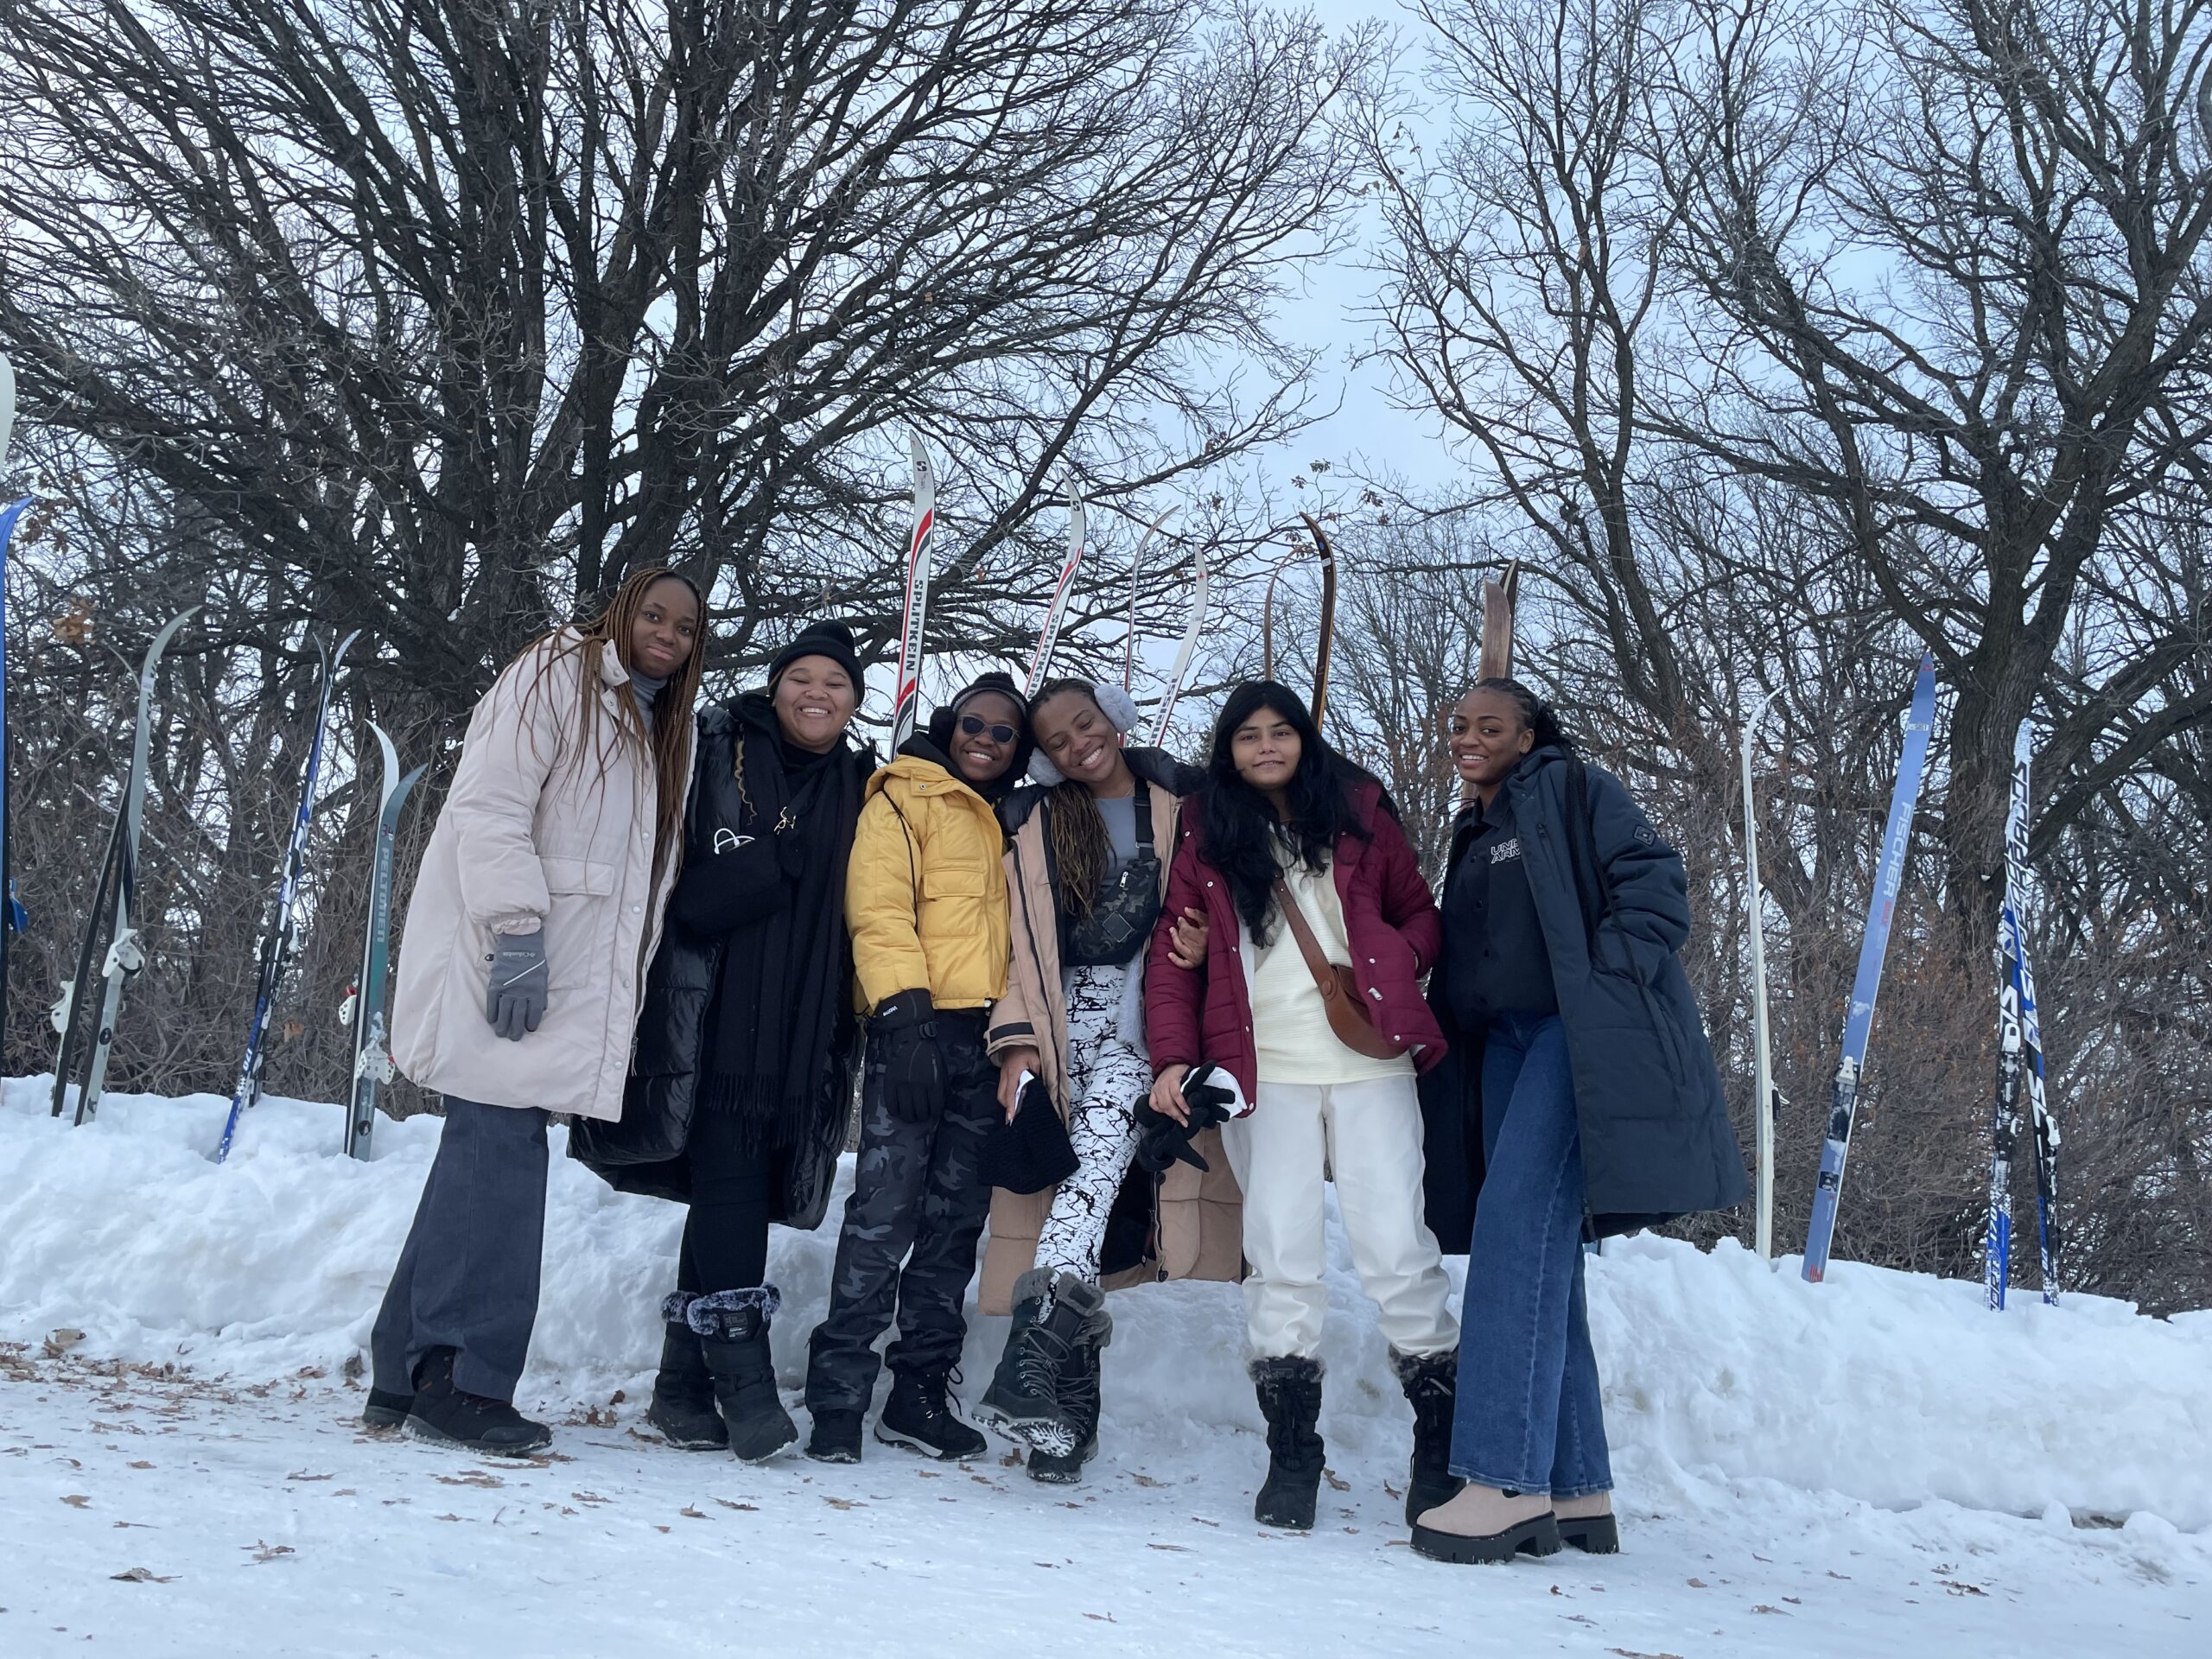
(906, 705)
(1495, 659)
(1859, 1022)
(1179, 674)
(1041, 663)
(1136, 575)
(2019, 974)
(2004, 1120)
(1327, 555)
(1766, 1103)
(7, 408)
(125, 956)
(371, 1041)
(68, 1007)
(278, 937)
(11, 913)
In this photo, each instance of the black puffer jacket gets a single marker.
(1613, 902)
(645, 1151)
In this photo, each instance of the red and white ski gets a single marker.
(1136, 577)
(906, 708)
(1049, 636)
(1179, 674)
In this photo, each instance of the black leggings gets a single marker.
(726, 1236)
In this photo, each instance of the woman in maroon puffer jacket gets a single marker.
(1279, 806)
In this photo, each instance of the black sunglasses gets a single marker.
(975, 725)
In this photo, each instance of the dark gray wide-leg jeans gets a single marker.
(467, 1277)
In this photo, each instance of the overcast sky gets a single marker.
(1370, 433)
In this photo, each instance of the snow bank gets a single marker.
(1893, 1389)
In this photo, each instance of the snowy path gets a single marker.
(280, 1527)
(283, 1529)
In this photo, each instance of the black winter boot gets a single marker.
(836, 1436)
(682, 1406)
(1079, 1388)
(385, 1410)
(919, 1416)
(1290, 1398)
(1432, 1386)
(1024, 1399)
(449, 1416)
(732, 1327)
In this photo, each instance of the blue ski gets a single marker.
(276, 940)
(1859, 1022)
(11, 913)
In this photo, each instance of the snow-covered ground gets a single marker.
(1875, 1465)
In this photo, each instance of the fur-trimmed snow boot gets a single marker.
(447, 1415)
(1079, 1398)
(1432, 1386)
(1289, 1387)
(919, 1415)
(682, 1406)
(1024, 1399)
(732, 1327)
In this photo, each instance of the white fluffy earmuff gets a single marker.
(1120, 711)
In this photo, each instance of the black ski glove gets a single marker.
(903, 1052)
(515, 996)
(1162, 1142)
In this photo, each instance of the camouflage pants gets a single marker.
(909, 1236)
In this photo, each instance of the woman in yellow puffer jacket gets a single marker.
(926, 899)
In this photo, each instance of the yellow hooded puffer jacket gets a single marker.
(925, 892)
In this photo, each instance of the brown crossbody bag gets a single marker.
(1340, 997)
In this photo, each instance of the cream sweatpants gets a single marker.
(1369, 1136)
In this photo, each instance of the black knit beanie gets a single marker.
(947, 715)
(830, 640)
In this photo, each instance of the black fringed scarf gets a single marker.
(785, 985)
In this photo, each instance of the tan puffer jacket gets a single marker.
(1198, 1217)
(534, 832)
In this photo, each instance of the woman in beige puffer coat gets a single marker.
(538, 902)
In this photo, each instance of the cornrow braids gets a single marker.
(1536, 716)
(1074, 827)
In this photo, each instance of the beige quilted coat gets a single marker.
(534, 832)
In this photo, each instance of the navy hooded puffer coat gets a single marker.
(1613, 902)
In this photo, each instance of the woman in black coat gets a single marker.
(740, 1089)
(1580, 1100)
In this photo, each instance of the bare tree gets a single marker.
(437, 320)
(443, 317)
(1950, 258)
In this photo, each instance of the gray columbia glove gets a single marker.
(515, 1001)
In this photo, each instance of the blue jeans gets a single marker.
(1529, 1417)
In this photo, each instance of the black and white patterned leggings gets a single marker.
(1107, 1078)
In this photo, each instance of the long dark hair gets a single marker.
(1076, 829)
(1536, 715)
(1241, 830)
(668, 741)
